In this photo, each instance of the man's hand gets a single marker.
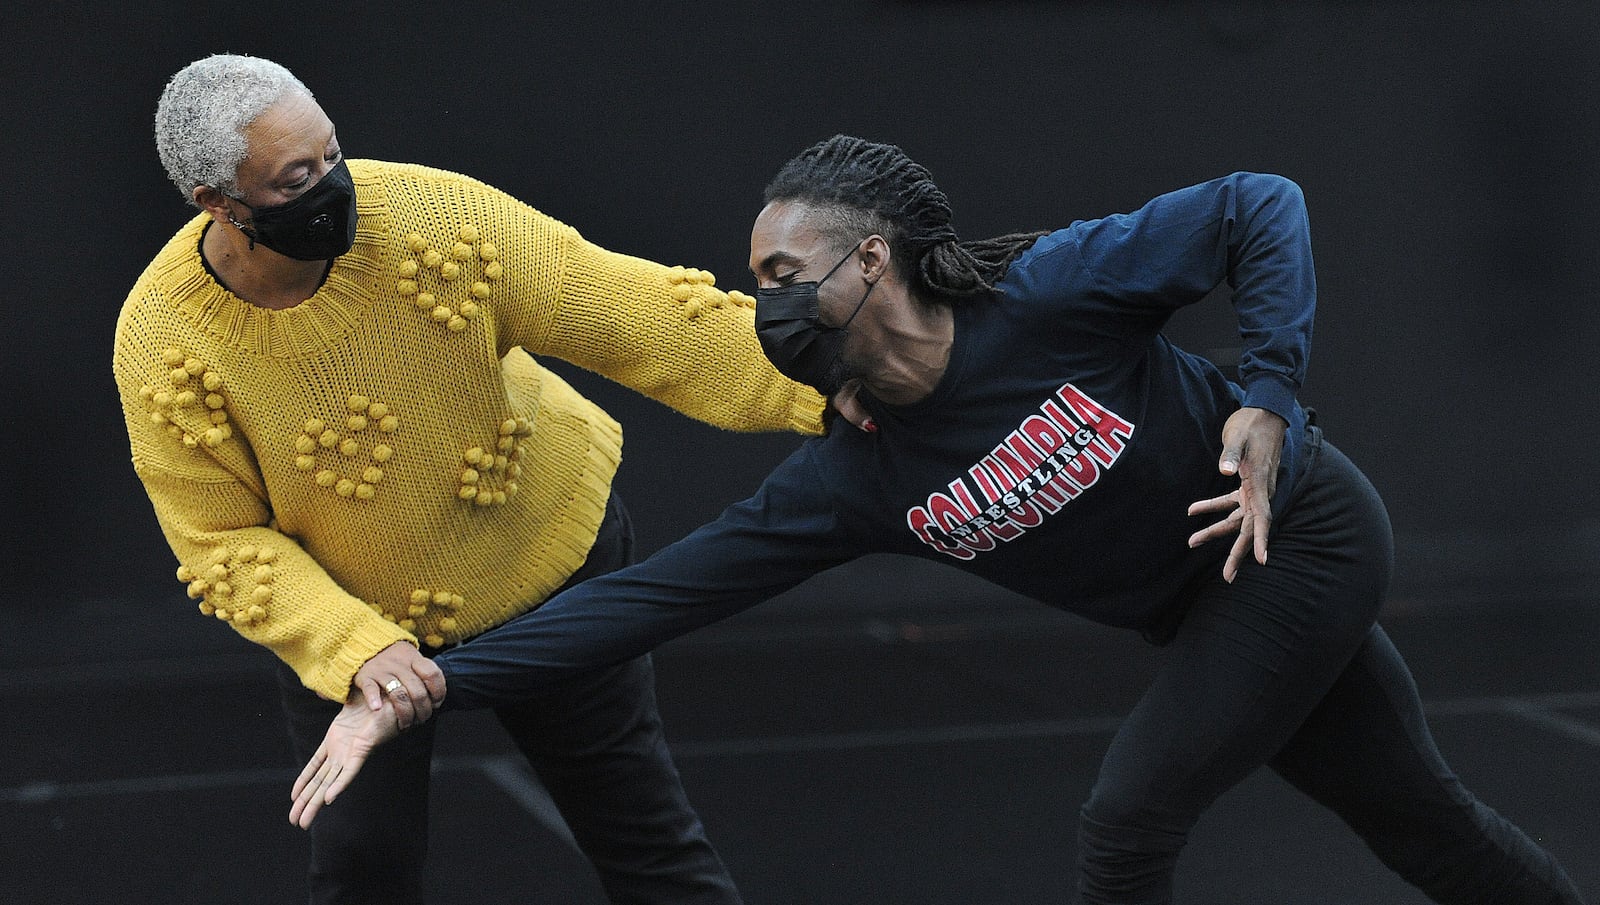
(410, 680)
(351, 738)
(1252, 442)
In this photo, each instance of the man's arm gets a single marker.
(757, 549)
(1251, 231)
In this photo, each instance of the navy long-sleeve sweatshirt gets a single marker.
(1056, 457)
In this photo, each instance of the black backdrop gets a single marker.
(1450, 153)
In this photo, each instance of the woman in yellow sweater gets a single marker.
(356, 465)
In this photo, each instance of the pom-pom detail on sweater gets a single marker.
(442, 299)
(178, 407)
(317, 442)
(530, 281)
(487, 478)
(220, 588)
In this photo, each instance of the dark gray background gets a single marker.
(889, 733)
(1448, 152)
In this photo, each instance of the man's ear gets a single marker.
(213, 202)
(876, 258)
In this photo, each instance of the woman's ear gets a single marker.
(212, 201)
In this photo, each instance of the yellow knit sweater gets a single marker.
(380, 463)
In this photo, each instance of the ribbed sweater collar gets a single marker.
(315, 325)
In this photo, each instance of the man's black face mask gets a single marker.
(797, 343)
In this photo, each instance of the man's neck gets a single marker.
(915, 344)
(260, 275)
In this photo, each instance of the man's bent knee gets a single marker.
(1125, 860)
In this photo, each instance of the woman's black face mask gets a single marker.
(797, 343)
(317, 226)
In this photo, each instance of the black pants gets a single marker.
(1287, 668)
(594, 741)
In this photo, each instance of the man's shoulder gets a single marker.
(1049, 271)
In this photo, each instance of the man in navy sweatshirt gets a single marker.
(1026, 421)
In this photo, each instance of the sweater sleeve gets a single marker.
(667, 332)
(1249, 230)
(210, 502)
(754, 551)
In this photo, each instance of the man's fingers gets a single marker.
(310, 771)
(1256, 487)
(415, 695)
(1215, 504)
(1224, 528)
(1228, 502)
(1241, 546)
(307, 805)
(309, 795)
(1229, 463)
(346, 776)
(413, 699)
(1262, 526)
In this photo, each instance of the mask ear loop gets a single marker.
(831, 270)
(247, 234)
(848, 255)
(870, 287)
(236, 224)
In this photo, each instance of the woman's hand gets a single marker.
(409, 680)
(351, 738)
(1252, 443)
(844, 405)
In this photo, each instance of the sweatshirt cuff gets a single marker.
(1273, 392)
(452, 701)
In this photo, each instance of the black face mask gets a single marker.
(797, 343)
(317, 226)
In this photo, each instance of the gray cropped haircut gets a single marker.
(201, 116)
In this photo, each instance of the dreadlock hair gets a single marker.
(861, 187)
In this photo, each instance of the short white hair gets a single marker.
(202, 114)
